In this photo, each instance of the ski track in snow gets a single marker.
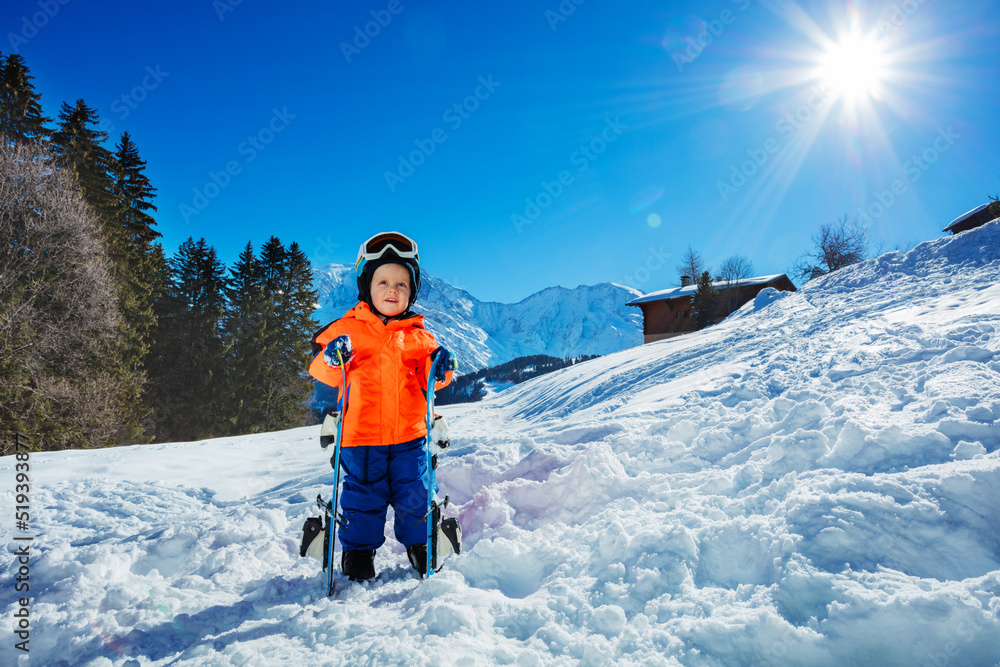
(814, 481)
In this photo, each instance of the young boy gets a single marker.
(387, 354)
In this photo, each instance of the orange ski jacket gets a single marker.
(386, 378)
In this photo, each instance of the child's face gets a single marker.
(390, 289)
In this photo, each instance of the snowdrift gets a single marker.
(814, 481)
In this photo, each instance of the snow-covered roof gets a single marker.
(965, 216)
(688, 290)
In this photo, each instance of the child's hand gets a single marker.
(338, 351)
(446, 362)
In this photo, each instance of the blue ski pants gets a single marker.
(376, 477)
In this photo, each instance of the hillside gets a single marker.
(813, 481)
(475, 386)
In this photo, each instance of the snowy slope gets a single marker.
(559, 322)
(814, 481)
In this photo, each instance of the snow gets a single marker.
(813, 481)
(689, 290)
(965, 216)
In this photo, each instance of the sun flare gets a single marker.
(854, 67)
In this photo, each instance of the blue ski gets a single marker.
(431, 470)
(333, 511)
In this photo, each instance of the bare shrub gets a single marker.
(733, 273)
(836, 245)
(59, 322)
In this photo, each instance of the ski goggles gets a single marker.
(378, 245)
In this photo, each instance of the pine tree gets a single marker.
(272, 264)
(187, 363)
(160, 339)
(134, 195)
(117, 190)
(705, 302)
(131, 239)
(299, 328)
(130, 236)
(21, 119)
(287, 324)
(244, 333)
(270, 379)
(79, 145)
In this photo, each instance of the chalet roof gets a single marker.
(689, 290)
(965, 216)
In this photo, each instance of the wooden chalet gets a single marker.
(975, 218)
(668, 313)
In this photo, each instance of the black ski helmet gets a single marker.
(387, 248)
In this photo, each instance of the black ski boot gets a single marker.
(418, 557)
(358, 565)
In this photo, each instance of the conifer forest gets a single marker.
(106, 340)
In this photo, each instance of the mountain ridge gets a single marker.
(555, 321)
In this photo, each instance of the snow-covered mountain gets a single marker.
(813, 482)
(557, 321)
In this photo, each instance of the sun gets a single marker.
(854, 67)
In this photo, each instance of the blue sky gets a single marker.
(536, 143)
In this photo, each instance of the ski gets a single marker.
(444, 537)
(333, 518)
(431, 471)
